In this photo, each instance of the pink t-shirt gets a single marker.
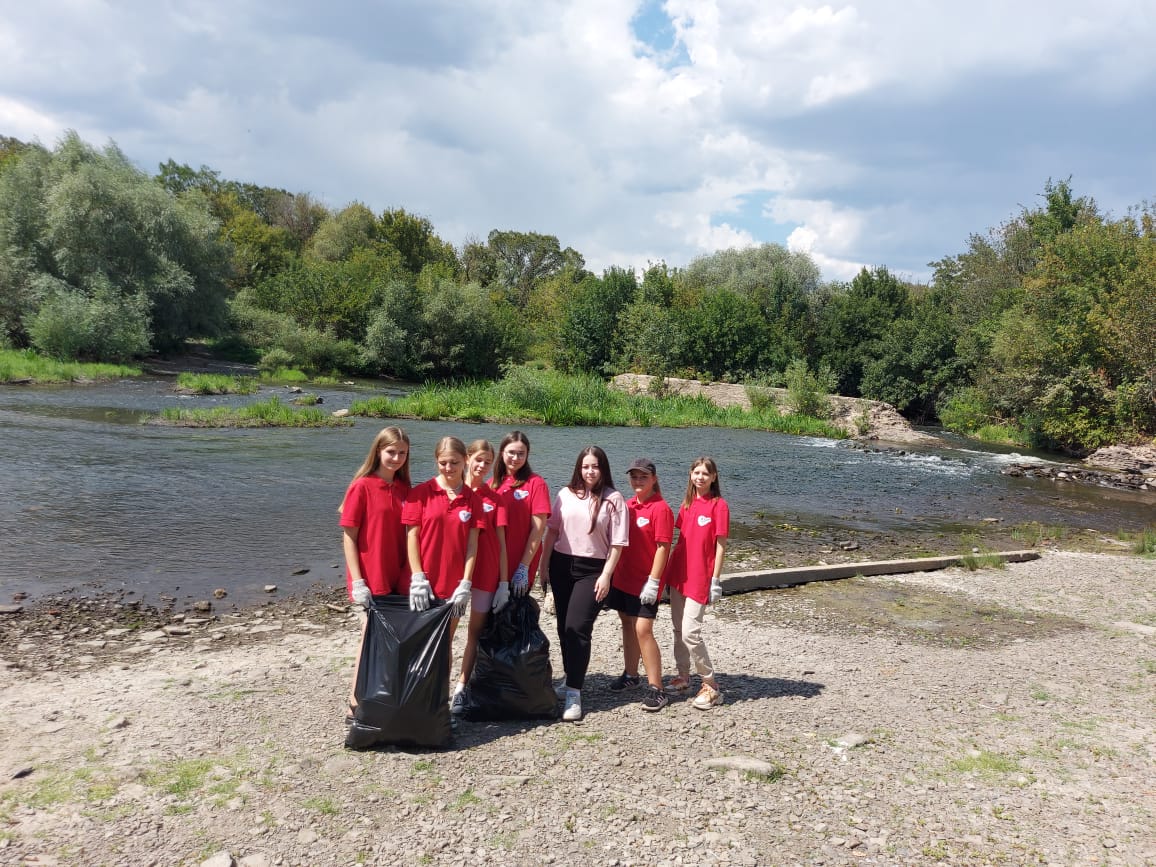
(444, 526)
(692, 562)
(651, 524)
(374, 506)
(571, 518)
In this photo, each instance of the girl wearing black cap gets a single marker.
(636, 586)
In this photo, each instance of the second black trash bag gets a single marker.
(512, 678)
(403, 677)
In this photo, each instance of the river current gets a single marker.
(92, 499)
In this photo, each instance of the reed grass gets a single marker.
(557, 399)
(284, 375)
(266, 413)
(28, 366)
(216, 383)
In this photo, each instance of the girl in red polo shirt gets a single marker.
(443, 518)
(491, 586)
(694, 577)
(528, 506)
(373, 537)
(635, 586)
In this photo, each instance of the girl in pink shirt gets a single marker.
(694, 577)
(585, 535)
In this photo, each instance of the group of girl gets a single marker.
(476, 543)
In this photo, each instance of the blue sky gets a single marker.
(881, 132)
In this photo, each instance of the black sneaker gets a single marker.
(625, 681)
(655, 699)
(458, 702)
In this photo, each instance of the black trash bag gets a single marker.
(403, 678)
(512, 678)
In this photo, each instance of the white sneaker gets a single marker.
(573, 710)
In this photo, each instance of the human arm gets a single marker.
(419, 589)
(547, 549)
(358, 589)
(720, 550)
(602, 584)
(502, 594)
(649, 594)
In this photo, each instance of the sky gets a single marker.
(880, 132)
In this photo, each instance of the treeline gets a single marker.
(1043, 331)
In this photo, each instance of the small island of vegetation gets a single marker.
(266, 413)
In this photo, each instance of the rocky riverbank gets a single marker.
(953, 717)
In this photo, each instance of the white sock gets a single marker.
(459, 687)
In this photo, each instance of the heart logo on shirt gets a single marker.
(642, 522)
(521, 495)
(487, 507)
(703, 520)
(465, 515)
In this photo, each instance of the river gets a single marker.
(93, 500)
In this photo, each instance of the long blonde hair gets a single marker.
(372, 463)
(712, 468)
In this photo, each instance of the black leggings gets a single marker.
(572, 581)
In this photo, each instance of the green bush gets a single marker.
(807, 392)
(70, 325)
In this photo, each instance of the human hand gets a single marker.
(419, 592)
(520, 582)
(460, 599)
(649, 594)
(601, 587)
(501, 596)
(715, 591)
(360, 593)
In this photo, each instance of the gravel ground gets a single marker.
(1002, 716)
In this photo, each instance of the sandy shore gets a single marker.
(994, 717)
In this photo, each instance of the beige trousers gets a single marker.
(686, 618)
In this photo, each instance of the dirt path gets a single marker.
(993, 717)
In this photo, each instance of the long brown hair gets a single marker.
(524, 472)
(372, 463)
(712, 468)
(577, 484)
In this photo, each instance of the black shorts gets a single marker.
(629, 604)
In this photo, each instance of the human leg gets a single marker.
(578, 626)
(681, 652)
(648, 647)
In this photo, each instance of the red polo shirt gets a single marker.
(651, 523)
(444, 526)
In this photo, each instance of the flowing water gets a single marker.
(92, 499)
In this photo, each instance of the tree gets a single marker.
(725, 335)
(526, 258)
(854, 319)
(586, 333)
(415, 241)
(89, 223)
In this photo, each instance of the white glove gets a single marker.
(715, 592)
(501, 596)
(521, 581)
(360, 593)
(419, 592)
(649, 594)
(461, 598)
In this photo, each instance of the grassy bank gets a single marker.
(525, 395)
(266, 413)
(26, 366)
(216, 383)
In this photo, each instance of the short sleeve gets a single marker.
(353, 509)
(412, 510)
(722, 518)
(539, 496)
(619, 521)
(663, 525)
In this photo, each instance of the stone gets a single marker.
(219, 859)
(744, 764)
(174, 629)
(851, 740)
(11, 609)
(203, 606)
(307, 836)
(220, 593)
(270, 588)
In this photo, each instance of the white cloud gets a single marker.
(878, 131)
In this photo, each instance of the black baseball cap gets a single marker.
(645, 464)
